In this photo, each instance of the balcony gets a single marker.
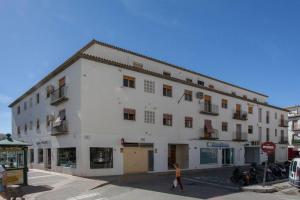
(58, 96)
(212, 135)
(283, 123)
(209, 109)
(283, 140)
(240, 136)
(240, 115)
(59, 129)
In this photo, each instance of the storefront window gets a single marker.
(101, 158)
(66, 157)
(12, 159)
(208, 156)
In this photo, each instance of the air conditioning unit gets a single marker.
(199, 95)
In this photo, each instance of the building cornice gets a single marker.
(80, 54)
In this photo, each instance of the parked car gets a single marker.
(294, 173)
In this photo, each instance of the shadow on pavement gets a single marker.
(162, 182)
(24, 190)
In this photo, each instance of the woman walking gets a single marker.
(177, 180)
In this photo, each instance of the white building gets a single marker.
(294, 131)
(107, 110)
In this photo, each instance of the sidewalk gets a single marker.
(272, 187)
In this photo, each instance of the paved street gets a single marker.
(48, 186)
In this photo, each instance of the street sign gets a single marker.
(268, 147)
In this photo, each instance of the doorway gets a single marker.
(228, 156)
(178, 153)
(48, 158)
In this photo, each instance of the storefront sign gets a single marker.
(14, 177)
(268, 147)
(217, 144)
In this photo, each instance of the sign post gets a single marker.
(268, 148)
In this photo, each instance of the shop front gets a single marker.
(218, 153)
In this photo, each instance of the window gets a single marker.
(101, 158)
(167, 120)
(233, 93)
(250, 109)
(37, 98)
(245, 97)
(200, 83)
(267, 134)
(167, 74)
(275, 132)
(66, 157)
(30, 102)
(189, 80)
(259, 115)
(211, 86)
(49, 90)
(12, 159)
(254, 99)
(250, 129)
(208, 156)
(19, 110)
(149, 117)
(19, 130)
(129, 114)
(188, 95)
(149, 86)
(30, 125)
(40, 155)
(282, 136)
(167, 91)
(224, 126)
(48, 120)
(224, 103)
(25, 105)
(129, 81)
(25, 128)
(137, 64)
(37, 124)
(267, 117)
(188, 121)
(31, 155)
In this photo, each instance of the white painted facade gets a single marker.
(94, 112)
(294, 127)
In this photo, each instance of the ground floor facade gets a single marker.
(92, 157)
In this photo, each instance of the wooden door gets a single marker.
(135, 160)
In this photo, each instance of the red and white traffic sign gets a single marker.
(268, 147)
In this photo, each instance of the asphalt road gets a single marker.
(48, 186)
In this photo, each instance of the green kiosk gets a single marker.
(13, 158)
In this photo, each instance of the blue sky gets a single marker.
(252, 43)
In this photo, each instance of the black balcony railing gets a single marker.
(59, 95)
(283, 140)
(60, 129)
(283, 123)
(209, 135)
(208, 108)
(240, 115)
(240, 136)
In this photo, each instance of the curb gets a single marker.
(269, 188)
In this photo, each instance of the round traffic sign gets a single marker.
(268, 147)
